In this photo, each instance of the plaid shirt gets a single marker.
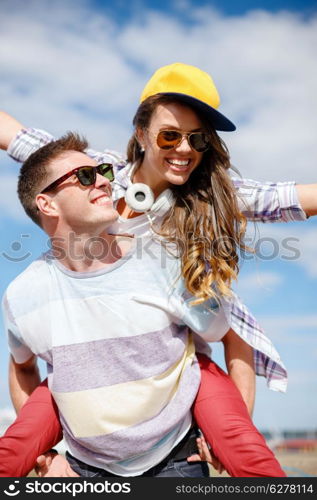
(264, 202)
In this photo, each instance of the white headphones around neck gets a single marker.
(140, 198)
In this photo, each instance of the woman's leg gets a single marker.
(222, 416)
(35, 431)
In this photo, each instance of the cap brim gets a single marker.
(218, 120)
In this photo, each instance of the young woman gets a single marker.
(176, 151)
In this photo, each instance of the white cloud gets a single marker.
(9, 201)
(300, 379)
(297, 331)
(260, 280)
(294, 410)
(66, 67)
(265, 67)
(292, 322)
(256, 286)
(7, 413)
(291, 242)
(7, 416)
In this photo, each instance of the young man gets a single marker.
(124, 391)
(112, 327)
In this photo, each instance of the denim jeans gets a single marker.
(170, 468)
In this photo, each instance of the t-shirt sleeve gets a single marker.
(17, 347)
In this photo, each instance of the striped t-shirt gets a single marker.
(121, 361)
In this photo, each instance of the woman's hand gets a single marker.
(53, 465)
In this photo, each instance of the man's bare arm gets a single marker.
(240, 365)
(9, 127)
(23, 379)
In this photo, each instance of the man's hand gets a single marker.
(205, 455)
(53, 465)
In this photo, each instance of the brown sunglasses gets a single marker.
(169, 139)
(86, 175)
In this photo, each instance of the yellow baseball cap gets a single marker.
(192, 86)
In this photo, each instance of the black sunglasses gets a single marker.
(169, 139)
(86, 175)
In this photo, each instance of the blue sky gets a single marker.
(82, 65)
(121, 11)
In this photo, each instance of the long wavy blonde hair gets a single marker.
(204, 221)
